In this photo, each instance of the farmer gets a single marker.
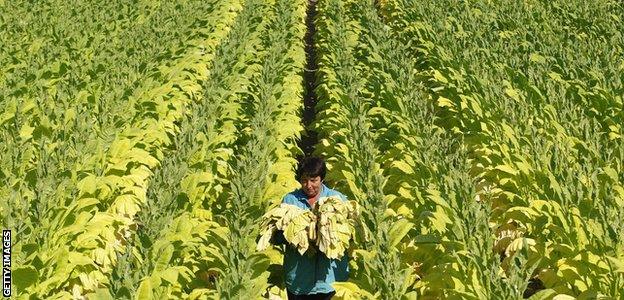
(311, 276)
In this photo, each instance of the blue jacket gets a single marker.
(315, 274)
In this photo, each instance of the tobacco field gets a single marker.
(142, 142)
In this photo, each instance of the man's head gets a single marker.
(310, 173)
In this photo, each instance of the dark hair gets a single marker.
(311, 166)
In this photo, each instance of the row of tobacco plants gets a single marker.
(537, 99)
(483, 141)
(234, 158)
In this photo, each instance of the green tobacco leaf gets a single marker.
(79, 259)
(258, 263)
(563, 297)
(445, 102)
(616, 264)
(6, 117)
(543, 295)
(24, 277)
(100, 294)
(513, 94)
(398, 231)
(26, 132)
(611, 173)
(349, 290)
(87, 185)
(170, 275)
(403, 166)
(145, 290)
(534, 57)
(163, 258)
(439, 77)
(507, 169)
(587, 295)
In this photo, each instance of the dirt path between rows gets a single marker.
(309, 137)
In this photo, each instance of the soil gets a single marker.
(309, 137)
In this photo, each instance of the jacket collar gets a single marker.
(304, 198)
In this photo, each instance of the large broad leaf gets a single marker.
(24, 277)
(616, 264)
(79, 259)
(610, 173)
(348, 290)
(145, 290)
(543, 294)
(203, 294)
(100, 294)
(398, 231)
(258, 264)
(518, 244)
(170, 275)
(88, 185)
(163, 258)
(563, 297)
(403, 166)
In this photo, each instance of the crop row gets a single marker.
(546, 143)
(234, 157)
(360, 136)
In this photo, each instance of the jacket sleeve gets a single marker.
(342, 196)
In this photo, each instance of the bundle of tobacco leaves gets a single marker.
(330, 226)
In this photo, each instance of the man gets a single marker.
(311, 276)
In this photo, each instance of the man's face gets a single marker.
(311, 186)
